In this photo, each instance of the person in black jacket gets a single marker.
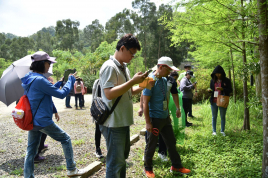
(219, 85)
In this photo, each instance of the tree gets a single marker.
(229, 23)
(263, 46)
(119, 25)
(67, 33)
(93, 35)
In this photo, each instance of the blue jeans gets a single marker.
(67, 101)
(214, 109)
(34, 138)
(118, 147)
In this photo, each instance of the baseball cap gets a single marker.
(168, 62)
(41, 56)
(187, 65)
(191, 73)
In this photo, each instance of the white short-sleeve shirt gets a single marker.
(111, 76)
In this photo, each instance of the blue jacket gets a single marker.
(42, 89)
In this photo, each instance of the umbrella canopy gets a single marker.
(10, 83)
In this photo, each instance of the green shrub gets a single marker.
(89, 81)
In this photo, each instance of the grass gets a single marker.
(239, 154)
(17, 172)
(78, 142)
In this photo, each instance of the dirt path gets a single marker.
(59, 103)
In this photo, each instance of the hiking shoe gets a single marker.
(45, 148)
(163, 157)
(39, 159)
(75, 172)
(98, 153)
(188, 124)
(214, 133)
(180, 170)
(69, 107)
(223, 134)
(149, 174)
(190, 116)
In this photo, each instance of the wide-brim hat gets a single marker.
(41, 56)
(168, 62)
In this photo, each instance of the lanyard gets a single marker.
(162, 89)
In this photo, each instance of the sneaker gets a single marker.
(149, 174)
(45, 148)
(223, 134)
(98, 153)
(75, 172)
(190, 116)
(69, 107)
(39, 159)
(163, 157)
(214, 133)
(180, 170)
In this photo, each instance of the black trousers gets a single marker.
(97, 136)
(78, 96)
(162, 149)
(165, 129)
(186, 106)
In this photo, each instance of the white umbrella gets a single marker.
(10, 83)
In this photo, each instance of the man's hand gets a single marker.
(178, 113)
(194, 84)
(149, 127)
(139, 77)
(140, 112)
(57, 117)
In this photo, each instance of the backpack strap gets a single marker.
(40, 100)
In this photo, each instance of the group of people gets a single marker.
(115, 81)
(78, 91)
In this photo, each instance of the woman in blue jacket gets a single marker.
(40, 92)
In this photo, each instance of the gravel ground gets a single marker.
(78, 124)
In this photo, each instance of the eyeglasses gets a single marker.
(133, 54)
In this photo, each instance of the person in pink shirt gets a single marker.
(78, 90)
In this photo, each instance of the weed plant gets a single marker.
(238, 154)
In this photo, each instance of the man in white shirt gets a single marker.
(115, 81)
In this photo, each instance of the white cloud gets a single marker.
(23, 18)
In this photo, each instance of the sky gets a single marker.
(26, 17)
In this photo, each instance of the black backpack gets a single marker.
(99, 110)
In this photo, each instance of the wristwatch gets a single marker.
(177, 109)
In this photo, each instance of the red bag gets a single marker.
(26, 123)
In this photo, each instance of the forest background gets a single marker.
(205, 34)
(229, 33)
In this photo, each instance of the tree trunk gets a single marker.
(263, 46)
(258, 87)
(258, 84)
(159, 46)
(246, 125)
(145, 62)
(229, 74)
(234, 91)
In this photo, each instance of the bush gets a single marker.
(89, 81)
